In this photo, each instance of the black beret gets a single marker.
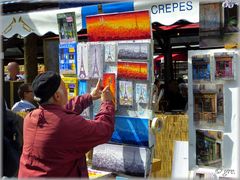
(45, 85)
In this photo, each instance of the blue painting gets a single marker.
(201, 67)
(82, 87)
(129, 130)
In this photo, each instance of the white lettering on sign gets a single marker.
(168, 12)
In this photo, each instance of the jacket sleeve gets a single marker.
(86, 134)
(79, 103)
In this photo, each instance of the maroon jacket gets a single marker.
(56, 139)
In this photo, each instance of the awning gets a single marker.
(165, 12)
(39, 22)
(175, 57)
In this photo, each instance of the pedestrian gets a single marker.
(56, 137)
(13, 72)
(25, 93)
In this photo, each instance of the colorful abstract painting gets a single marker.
(126, 93)
(138, 51)
(119, 26)
(110, 79)
(131, 70)
(141, 93)
(129, 160)
(95, 60)
(82, 61)
(110, 52)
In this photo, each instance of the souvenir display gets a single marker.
(201, 67)
(110, 52)
(82, 59)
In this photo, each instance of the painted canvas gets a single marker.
(120, 26)
(130, 160)
(82, 87)
(208, 106)
(67, 27)
(132, 70)
(95, 60)
(110, 52)
(209, 148)
(110, 79)
(224, 66)
(126, 93)
(135, 51)
(129, 130)
(201, 67)
(82, 59)
(141, 93)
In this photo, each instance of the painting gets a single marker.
(68, 59)
(219, 26)
(82, 59)
(129, 160)
(135, 51)
(201, 67)
(224, 66)
(126, 93)
(132, 70)
(209, 148)
(95, 60)
(208, 106)
(67, 27)
(120, 26)
(110, 52)
(141, 93)
(96, 104)
(131, 130)
(82, 87)
(110, 79)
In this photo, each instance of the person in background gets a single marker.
(174, 97)
(13, 72)
(155, 94)
(56, 137)
(25, 93)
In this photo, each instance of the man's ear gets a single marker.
(56, 96)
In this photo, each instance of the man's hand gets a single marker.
(97, 91)
(107, 95)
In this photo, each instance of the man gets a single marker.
(13, 72)
(26, 95)
(56, 137)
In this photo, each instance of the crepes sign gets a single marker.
(168, 12)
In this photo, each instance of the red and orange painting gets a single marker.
(109, 79)
(120, 26)
(132, 70)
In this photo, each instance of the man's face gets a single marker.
(13, 69)
(28, 95)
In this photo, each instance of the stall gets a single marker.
(210, 126)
